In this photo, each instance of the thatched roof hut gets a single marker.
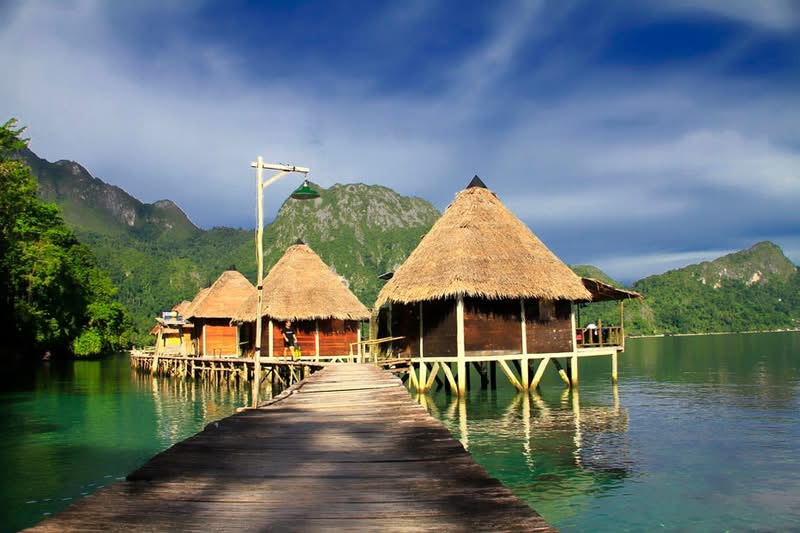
(211, 312)
(223, 298)
(301, 287)
(478, 248)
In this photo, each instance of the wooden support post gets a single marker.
(614, 367)
(561, 372)
(483, 372)
(412, 374)
(423, 368)
(462, 360)
(524, 379)
(316, 340)
(574, 373)
(432, 377)
(493, 375)
(448, 372)
(537, 377)
(271, 340)
(523, 326)
(510, 375)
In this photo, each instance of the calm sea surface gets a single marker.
(701, 434)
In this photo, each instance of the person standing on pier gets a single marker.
(289, 339)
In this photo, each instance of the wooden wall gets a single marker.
(335, 336)
(548, 334)
(218, 337)
(491, 327)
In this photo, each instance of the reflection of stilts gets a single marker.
(526, 427)
(576, 414)
(462, 422)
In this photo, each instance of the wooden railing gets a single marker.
(600, 336)
(368, 350)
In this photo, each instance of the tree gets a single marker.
(53, 297)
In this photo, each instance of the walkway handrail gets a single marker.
(371, 342)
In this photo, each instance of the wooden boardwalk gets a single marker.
(346, 450)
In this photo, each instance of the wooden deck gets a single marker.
(346, 449)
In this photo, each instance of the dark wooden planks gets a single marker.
(347, 449)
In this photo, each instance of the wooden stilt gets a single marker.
(493, 375)
(450, 384)
(561, 372)
(412, 374)
(510, 375)
(524, 375)
(462, 361)
(537, 377)
(574, 374)
(614, 367)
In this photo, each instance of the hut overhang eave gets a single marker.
(603, 292)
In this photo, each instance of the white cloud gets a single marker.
(777, 15)
(720, 158)
(612, 144)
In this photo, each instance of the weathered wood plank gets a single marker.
(345, 450)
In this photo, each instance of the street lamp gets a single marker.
(304, 192)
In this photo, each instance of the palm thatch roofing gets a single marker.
(182, 307)
(478, 248)
(223, 298)
(603, 292)
(302, 287)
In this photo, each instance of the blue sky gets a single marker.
(635, 136)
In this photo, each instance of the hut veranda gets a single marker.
(482, 289)
(301, 288)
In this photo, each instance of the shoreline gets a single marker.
(656, 335)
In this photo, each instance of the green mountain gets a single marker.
(91, 206)
(157, 257)
(754, 289)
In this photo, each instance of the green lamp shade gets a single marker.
(305, 192)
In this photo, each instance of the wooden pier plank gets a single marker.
(345, 450)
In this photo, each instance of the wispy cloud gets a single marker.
(566, 142)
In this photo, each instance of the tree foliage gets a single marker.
(51, 290)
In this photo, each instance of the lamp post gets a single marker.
(303, 193)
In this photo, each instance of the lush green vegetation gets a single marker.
(753, 290)
(53, 297)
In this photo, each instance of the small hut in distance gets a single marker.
(480, 286)
(173, 332)
(301, 288)
(211, 312)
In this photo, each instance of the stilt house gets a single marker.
(173, 332)
(301, 288)
(211, 312)
(480, 285)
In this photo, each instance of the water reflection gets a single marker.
(542, 447)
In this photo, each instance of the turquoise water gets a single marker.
(701, 434)
(69, 428)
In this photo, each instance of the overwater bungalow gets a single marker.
(482, 288)
(211, 312)
(326, 316)
(173, 332)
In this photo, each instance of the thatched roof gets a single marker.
(603, 292)
(301, 287)
(182, 307)
(223, 298)
(479, 248)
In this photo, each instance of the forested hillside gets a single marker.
(754, 289)
(54, 300)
